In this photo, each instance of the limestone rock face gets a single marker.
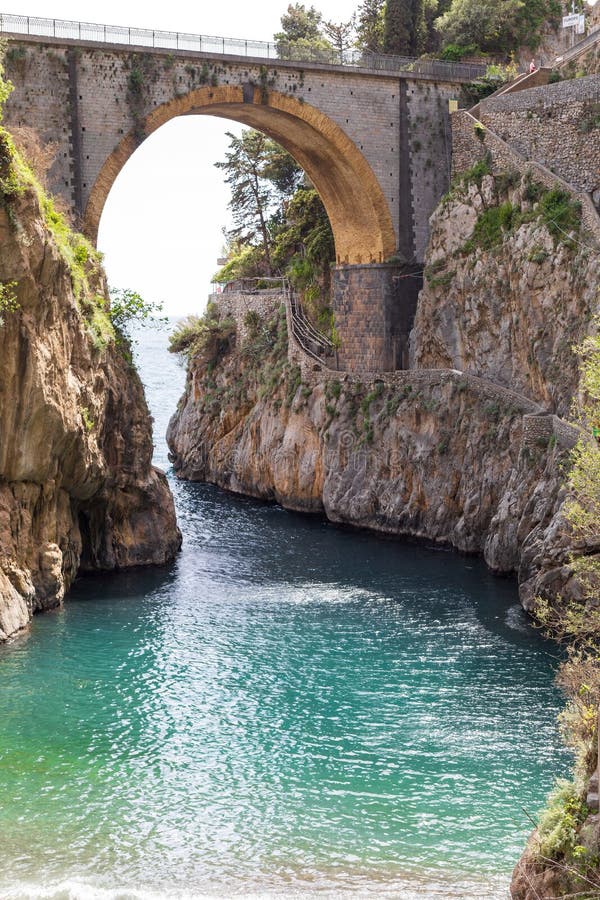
(77, 488)
(424, 453)
(436, 460)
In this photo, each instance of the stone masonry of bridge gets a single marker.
(377, 146)
(98, 102)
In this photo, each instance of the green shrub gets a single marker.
(505, 181)
(8, 299)
(442, 280)
(128, 308)
(293, 382)
(88, 422)
(560, 213)
(479, 129)
(478, 170)
(532, 190)
(456, 52)
(491, 227)
(209, 336)
(560, 821)
(253, 323)
(135, 81)
(333, 389)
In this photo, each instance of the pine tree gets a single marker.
(341, 35)
(251, 197)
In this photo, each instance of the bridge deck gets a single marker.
(232, 49)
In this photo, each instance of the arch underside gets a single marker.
(358, 211)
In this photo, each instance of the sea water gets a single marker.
(288, 710)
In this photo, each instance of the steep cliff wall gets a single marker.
(511, 285)
(438, 451)
(77, 488)
(430, 454)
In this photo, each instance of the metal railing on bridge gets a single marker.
(268, 50)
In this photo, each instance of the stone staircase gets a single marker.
(522, 82)
(312, 342)
(583, 46)
(506, 156)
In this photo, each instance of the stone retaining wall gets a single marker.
(469, 146)
(557, 125)
(237, 304)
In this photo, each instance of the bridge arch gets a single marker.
(360, 218)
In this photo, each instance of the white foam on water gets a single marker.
(413, 889)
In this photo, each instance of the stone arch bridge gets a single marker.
(372, 134)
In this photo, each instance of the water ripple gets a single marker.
(288, 711)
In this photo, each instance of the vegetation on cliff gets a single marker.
(567, 840)
(280, 227)
(77, 486)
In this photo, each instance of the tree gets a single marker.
(128, 310)
(301, 29)
(305, 233)
(404, 27)
(429, 37)
(496, 27)
(251, 194)
(341, 35)
(281, 170)
(281, 224)
(370, 25)
(487, 24)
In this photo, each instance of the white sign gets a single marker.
(570, 20)
(580, 29)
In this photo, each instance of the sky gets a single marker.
(161, 229)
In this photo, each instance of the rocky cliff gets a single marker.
(77, 488)
(429, 452)
(511, 285)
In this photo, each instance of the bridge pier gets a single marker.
(374, 308)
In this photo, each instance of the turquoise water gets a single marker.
(289, 710)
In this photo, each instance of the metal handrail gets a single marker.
(581, 46)
(307, 326)
(273, 50)
(312, 342)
